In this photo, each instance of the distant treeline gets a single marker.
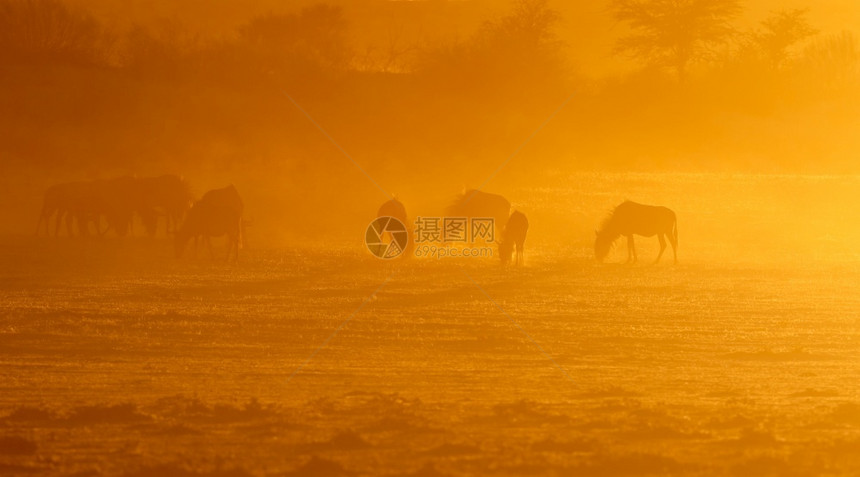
(77, 93)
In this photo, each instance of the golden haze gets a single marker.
(285, 126)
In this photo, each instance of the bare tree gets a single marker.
(48, 30)
(393, 57)
(674, 33)
(530, 24)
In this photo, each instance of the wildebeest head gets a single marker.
(602, 244)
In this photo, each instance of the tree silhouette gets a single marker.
(160, 50)
(33, 31)
(780, 32)
(834, 61)
(529, 25)
(674, 33)
(522, 45)
(316, 35)
(514, 55)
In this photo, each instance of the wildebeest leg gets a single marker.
(629, 253)
(521, 257)
(175, 218)
(631, 250)
(107, 226)
(662, 246)
(673, 239)
(69, 218)
(209, 247)
(73, 222)
(83, 224)
(60, 215)
(47, 224)
(233, 248)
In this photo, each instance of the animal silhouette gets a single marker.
(514, 235)
(111, 200)
(217, 213)
(395, 208)
(58, 200)
(631, 218)
(77, 204)
(105, 204)
(476, 203)
(167, 195)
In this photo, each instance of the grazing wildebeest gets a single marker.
(121, 195)
(217, 213)
(168, 194)
(58, 200)
(474, 204)
(72, 202)
(631, 218)
(514, 234)
(89, 206)
(83, 204)
(111, 199)
(395, 208)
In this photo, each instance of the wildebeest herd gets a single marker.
(99, 206)
(627, 219)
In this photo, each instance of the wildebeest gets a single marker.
(476, 203)
(105, 204)
(78, 204)
(514, 234)
(59, 200)
(630, 219)
(168, 195)
(217, 213)
(395, 208)
(111, 200)
(90, 204)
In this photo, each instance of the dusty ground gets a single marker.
(116, 359)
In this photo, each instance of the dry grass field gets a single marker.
(319, 359)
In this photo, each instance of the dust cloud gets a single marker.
(188, 283)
